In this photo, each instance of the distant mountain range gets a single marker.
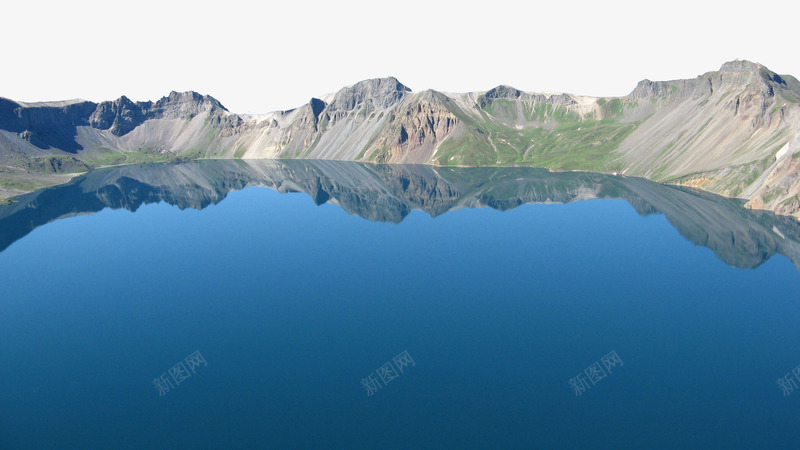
(735, 132)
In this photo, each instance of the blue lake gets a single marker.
(297, 282)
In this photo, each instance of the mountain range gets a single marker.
(733, 132)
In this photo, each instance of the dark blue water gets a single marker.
(293, 304)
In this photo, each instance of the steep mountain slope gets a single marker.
(734, 131)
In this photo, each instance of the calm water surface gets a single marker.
(293, 305)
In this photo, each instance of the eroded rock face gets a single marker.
(417, 128)
(651, 89)
(120, 116)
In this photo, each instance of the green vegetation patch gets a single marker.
(770, 196)
(57, 164)
(612, 108)
(137, 156)
(571, 144)
(20, 184)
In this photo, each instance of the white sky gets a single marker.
(260, 56)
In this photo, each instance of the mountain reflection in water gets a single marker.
(740, 237)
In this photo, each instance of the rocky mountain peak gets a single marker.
(190, 100)
(740, 65)
(755, 70)
(123, 100)
(119, 116)
(503, 91)
(759, 79)
(430, 95)
(372, 94)
(732, 75)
